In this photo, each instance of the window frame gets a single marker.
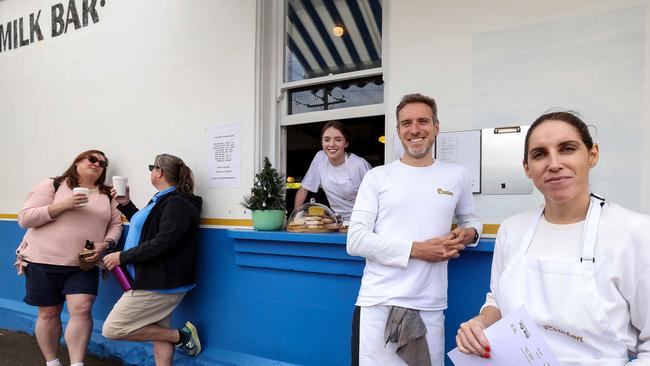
(271, 96)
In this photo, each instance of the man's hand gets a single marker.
(437, 249)
(112, 260)
(462, 235)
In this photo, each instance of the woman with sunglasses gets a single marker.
(160, 253)
(58, 223)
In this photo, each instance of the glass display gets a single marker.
(313, 218)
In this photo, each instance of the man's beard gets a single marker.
(418, 154)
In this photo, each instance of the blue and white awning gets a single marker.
(313, 50)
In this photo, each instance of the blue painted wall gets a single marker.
(278, 300)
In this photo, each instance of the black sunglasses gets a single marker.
(152, 167)
(93, 160)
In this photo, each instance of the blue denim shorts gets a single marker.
(47, 284)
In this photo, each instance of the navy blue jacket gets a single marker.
(167, 253)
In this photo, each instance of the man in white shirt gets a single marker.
(401, 223)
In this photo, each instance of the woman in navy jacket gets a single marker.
(160, 254)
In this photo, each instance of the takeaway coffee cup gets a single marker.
(119, 184)
(85, 191)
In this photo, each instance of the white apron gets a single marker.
(563, 300)
(340, 192)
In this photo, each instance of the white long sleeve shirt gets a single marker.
(398, 204)
(622, 267)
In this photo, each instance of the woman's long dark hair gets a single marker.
(72, 177)
(176, 172)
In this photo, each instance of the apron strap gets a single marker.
(588, 261)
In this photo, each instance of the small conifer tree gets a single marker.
(268, 191)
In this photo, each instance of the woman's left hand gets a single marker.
(100, 248)
(112, 260)
(470, 338)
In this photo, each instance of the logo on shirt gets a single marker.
(446, 193)
(561, 331)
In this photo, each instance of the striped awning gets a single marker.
(312, 50)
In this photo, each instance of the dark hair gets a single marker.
(176, 172)
(72, 177)
(417, 98)
(568, 117)
(335, 124)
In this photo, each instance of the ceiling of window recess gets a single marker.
(331, 37)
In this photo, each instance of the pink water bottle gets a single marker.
(122, 278)
(120, 274)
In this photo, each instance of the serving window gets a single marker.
(303, 142)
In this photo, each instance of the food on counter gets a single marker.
(312, 218)
(316, 211)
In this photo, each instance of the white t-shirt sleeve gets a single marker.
(633, 272)
(311, 180)
(499, 261)
(470, 220)
(465, 204)
(359, 167)
(640, 318)
(362, 240)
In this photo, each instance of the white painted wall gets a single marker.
(151, 76)
(148, 78)
(434, 47)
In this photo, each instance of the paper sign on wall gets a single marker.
(224, 147)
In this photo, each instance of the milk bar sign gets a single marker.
(63, 18)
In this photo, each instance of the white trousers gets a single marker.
(373, 349)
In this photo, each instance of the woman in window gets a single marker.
(337, 172)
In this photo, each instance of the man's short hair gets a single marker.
(417, 98)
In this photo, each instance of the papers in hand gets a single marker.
(514, 340)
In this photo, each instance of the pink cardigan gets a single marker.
(59, 240)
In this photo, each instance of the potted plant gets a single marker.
(266, 200)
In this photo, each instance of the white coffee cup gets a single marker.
(119, 184)
(83, 190)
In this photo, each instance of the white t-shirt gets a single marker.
(409, 204)
(340, 183)
(621, 268)
(557, 243)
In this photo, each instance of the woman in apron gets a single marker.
(339, 174)
(579, 264)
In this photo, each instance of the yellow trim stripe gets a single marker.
(204, 221)
(487, 228)
(227, 222)
(490, 229)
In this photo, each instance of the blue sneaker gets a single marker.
(191, 344)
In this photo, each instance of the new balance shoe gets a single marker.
(190, 343)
